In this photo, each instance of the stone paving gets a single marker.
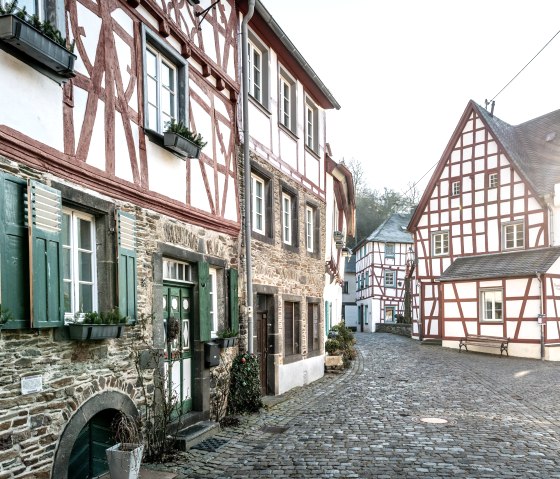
(502, 421)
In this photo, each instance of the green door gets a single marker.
(88, 457)
(177, 317)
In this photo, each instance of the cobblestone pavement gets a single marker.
(502, 421)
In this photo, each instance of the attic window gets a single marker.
(550, 136)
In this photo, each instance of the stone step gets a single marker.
(195, 434)
(431, 342)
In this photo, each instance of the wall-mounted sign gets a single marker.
(31, 384)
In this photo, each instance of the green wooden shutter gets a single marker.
(126, 227)
(14, 252)
(233, 300)
(45, 253)
(204, 323)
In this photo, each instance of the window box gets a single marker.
(226, 342)
(95, 332)
(26, 39)
(181, 145)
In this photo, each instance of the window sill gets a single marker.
(288, 132)
(293, 358)
(259, 105)
(260, 237)
(489, 322)
(312, 152)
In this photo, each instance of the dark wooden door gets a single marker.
(262, 348)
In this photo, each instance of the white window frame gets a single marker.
(440, 243)
(492, 180)
(309, 228)
(456, 188)
(162, 118)
(213, 291)
(174, 270)
(256, 201)
(285, 101)
(255, 84)
(74, 217)
(393, 282)
(287, 218)
(513, 229)
(495, 296)
(38, 10)
(311, 118)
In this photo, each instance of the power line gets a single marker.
(518, 73)
(431, 168)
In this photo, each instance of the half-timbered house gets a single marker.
(382, 285)
(99, 210)
(349, 305)
(486, 234)
(287, 104)
(340, 224)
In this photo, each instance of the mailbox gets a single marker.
(211, 354)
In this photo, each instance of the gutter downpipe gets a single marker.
(247, 172)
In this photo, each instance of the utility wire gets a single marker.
(508, 83)
(495, 96)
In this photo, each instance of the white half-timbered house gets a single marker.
(340, 224)
(349, 305)
(99, 211)
(287, 135)
(486, 235)
(381, 274)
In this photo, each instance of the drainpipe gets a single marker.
(541, 317)
(247, 172)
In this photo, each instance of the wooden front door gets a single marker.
(265, 343)
(177, 317)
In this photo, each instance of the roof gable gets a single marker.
(393, 230)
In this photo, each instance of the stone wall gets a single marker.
(73, 372)
(394, 328)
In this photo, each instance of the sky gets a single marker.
(403, 72)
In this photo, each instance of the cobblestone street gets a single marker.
(501, 415)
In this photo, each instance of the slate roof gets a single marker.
(351, 265)
(500, 265)
(393, 230)
(533, 146)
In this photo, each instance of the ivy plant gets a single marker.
(245, 386)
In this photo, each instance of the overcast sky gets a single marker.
(404, 71)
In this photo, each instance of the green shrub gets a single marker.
(245, 385)
(342, 343)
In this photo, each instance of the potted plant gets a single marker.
(227, 338)
(37, 39)
(93, 326)
(125, 457)
(179, 139)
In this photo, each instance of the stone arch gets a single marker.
(100, 402)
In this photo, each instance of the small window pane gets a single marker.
(85, 267)
(67, 297)
(66, 229)
(152, 117)
(151, 64)
(67, 263)
(86, 297)
(84, 234)
(152, 91)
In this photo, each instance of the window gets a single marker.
(258, 70)
(286, 218)
(390, 279)
(287, 101)
(492, 180)
(514, 235)
(367, 279)
(50, 10)
(390, 313)
(312, 327)
(255, 72)
(491, 305)
(291, 328)
(176, 270)
(258, 204)
(455, 188)
(311, 126)
(389, 250)
(78, 262)
(213, 303)
(310, 228)
(440, 243)
(345, 287)
(165, 84)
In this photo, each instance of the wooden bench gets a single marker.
(485, 341)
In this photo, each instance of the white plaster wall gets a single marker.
(30, 102)
(332, 293)
(351, 316)
(300, 373)
(168, 173)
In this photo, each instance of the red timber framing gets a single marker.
(120, 107)
(492, 192)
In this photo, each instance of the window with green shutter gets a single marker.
(233, 299)
(126, 228)
(45, 253)
(14, 252)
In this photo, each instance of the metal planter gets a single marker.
(30, 41)
(181, 145)
(95, 332)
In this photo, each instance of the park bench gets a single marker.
(485, 341)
